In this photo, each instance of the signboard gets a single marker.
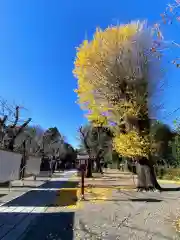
(82, 157)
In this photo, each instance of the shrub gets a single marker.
(168, 173)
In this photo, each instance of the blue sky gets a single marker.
(37, 50)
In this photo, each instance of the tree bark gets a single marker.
(89, 169)
(145, 166)
(98, 165)
(146, 176)
(23, 162)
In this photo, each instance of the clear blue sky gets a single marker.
(37, 50)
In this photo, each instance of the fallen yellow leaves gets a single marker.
(98, 195)
(71, 197)
(177, 225)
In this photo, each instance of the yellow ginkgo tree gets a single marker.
(117, 74)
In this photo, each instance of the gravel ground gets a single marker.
(125, 215)
(130, 215)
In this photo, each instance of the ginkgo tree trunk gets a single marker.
(118, 72)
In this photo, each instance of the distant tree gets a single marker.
(33, 137)
(175, 146)
(51, 141)
(10, 132)
(97, 142)
(70, 155)
(38, 141)
(162, 136)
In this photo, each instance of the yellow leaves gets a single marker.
(131, 145)
(102, 44)
(127, 108)
(100, 66)
(91, 59)
(120, 33)
(97, 120)
(95, 116)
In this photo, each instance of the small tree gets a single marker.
(97, 141)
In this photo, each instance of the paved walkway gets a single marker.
(24, 208)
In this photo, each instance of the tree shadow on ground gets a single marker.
(170, 189)
(23, 186)
(150, 200)
(108, 179)
(115, 173)
(19, 213)
(110, 186)
(45, 196)
(47, 185)
(36, 226)
(86, 230)
(154, 234)
(2, 195)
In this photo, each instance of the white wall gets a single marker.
(9, 165)
(33, 165)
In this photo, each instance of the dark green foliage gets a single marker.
(162, 135)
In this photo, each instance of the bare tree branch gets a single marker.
(3, 120)
(16, 117)
(20, 129)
